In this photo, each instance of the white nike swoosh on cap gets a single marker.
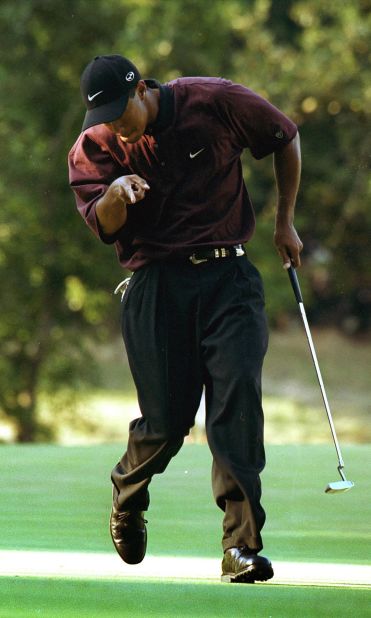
(192, 155)
(92, 96)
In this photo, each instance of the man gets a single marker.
(157, 172)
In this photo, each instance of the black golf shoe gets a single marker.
(129, 535)
(241, 566)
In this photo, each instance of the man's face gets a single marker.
(131, 125)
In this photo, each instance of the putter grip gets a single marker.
(295, 284)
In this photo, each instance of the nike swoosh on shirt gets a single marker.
(92, 96)
(192, 155)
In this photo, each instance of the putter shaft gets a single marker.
(322, 388)
(345, 485)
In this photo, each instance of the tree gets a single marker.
(52, 270)
(310, 59)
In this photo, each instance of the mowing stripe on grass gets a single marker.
(109, 566)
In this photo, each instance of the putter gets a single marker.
(336, 486)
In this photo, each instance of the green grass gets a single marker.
(58, 498)
(50, 598)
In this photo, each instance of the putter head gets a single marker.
(338, 486)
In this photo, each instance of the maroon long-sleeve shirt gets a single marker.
(191, 160)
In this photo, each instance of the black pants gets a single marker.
(187, 326)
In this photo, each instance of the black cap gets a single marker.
(105, 85)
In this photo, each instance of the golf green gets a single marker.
(50, 598)
(58, 498)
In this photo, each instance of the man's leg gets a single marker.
(159, 334)
(244, 518)
(235, 347)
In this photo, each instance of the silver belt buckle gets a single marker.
(220, 253)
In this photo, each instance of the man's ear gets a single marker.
(141, 89)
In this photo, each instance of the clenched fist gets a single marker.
(130, 189)
(111, 207)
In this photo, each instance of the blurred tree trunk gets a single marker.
(20, 401)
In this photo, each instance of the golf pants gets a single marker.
(187, 327)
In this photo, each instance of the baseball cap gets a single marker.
(105, 85)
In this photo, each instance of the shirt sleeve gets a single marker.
(255, 123)
(91, 170)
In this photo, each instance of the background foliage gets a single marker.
(311, 59)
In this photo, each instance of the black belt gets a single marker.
(203, 255)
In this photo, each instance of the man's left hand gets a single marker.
(288, 245)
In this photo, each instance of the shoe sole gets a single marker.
(248, 576)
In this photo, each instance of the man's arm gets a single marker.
(111, 207)
(287, 168)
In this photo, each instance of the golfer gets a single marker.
(157, 172)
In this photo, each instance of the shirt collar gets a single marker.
(166, 108)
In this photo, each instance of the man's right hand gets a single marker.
(111, 207)
(129, 189)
